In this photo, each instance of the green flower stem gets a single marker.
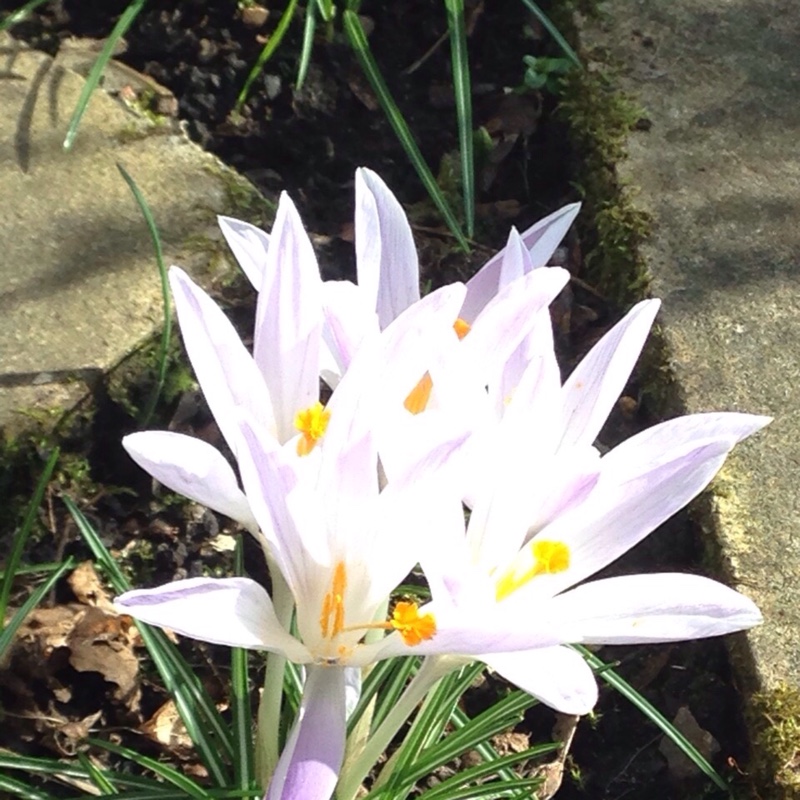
(269, 708)
(432, 670)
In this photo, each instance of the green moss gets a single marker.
(775, 724)
(242, 199)
(611, 227)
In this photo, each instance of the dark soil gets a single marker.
(309, 143)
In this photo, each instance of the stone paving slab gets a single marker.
(719, 171)
(79, 286)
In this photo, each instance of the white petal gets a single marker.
(309, 766)
(663, 607)
(557, 676)
(541, 239)
(288, 328)
(232, 611)
(192, 468)
(509, 316)
(249, 245)
(596, 383)
(386, 258)
(348, 320)
(476, 629)
(516, 260)
(227, 373)
(621, 511)
(285, 510)
(679, 432)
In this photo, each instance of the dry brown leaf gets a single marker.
(166, 727)
(553, 772)
(100, 642)
(88, 588)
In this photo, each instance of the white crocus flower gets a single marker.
(547, 512)
(340, 542)
(387, 268)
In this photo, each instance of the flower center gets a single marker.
(418, 397)
(540, 557)
(406, 619)
(311, 422)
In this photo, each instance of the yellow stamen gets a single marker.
(548, 558)
(418, 397)
(411, 626)
(331, 620)
(461, 327)
(311, 422)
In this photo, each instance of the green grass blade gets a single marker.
(358, 41)
(169, 774)
(244, 759)
(21, 536)
(34, 569)
(204, 725)
(392, 688)
(53, 768)
(653, 714)
(16, 788)
(497, 718)
(326, 9)
(463, 97)
(93, 79)
(97, 777)
(554, 32)
(458, 785)
(273, 43)
(484, 749)
(166, 333)
(7, 636)
(425, 731)
(19, 14)
(309, 29)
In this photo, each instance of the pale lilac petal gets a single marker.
(536, 355)
(386, 258)
(527, 495)
(249, 246)
(387, 367)
(228, 376)
(622, 510)
(675, 433)
(236, 612)
(285, 511)
(544, 236)
(541, 241)
(474, 629)
(516, 259)
(193, 468)
(509, 316)
(348, 320)
(309, 766)
(596, 383)
(348, 491)
(662, 607)
(288, 329)
(414, 513)
(557, 676)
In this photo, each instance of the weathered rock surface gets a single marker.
(719, 170)
(79, 285)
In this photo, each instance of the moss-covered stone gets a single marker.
(775, 724)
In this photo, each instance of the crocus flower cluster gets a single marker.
(438, 403)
